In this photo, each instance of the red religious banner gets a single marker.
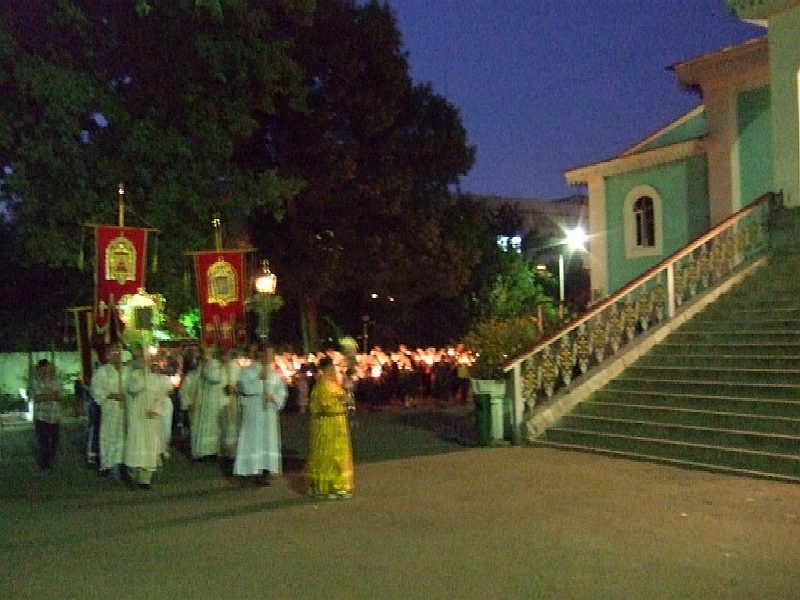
(120, 266)
(83, 322)
(221, 296)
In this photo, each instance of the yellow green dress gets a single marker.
(330, 456)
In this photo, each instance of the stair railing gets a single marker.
(650, 300)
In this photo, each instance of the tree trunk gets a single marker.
(309, 323)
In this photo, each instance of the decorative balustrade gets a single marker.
(593, 339)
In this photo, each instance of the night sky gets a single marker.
(547, 85)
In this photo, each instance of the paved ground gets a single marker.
(433, 517)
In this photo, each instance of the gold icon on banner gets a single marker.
(221, 279)
(121, 260)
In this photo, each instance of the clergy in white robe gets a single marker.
(144, 393)
(187, 393)
(262, 395)
(251, 447)
(229, 413)
(208, 403)
(167, 409)
(108, 390)
(190, 387)
(275, 392)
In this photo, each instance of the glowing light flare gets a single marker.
(576, 238)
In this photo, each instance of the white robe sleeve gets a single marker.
(274, 385)
(188, 389)
(104, 382)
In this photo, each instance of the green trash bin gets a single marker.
(483, 418)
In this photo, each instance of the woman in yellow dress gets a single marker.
(330, 455)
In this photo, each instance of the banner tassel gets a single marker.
(154, 265)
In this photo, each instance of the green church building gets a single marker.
(740, 143)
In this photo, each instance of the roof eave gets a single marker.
(634, 162)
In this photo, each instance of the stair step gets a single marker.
(754, 326)
(670, 346)
(723, 404)
(667, 461)
(668, 415)
(774, 390)
(780, 377)
(750, 459)
(723, 337)
(722, 361)
(690, 434)
(766, 313)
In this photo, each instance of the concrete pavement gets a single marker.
(432, 517)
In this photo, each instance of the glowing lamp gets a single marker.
(575, 239)
(266, 281)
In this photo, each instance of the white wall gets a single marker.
(14, 368)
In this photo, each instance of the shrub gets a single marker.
(494, 341)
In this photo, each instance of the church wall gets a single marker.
(15, 366)
(682, 187)
(755, 144)
(784, 49)
(698, 218)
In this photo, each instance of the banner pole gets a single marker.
(121, 195)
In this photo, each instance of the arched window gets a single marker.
(643, 223)
(644, 219)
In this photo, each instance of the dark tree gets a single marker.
(168, 97)
(377, 155)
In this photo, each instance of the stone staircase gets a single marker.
(722, 392)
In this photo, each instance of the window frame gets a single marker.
(632, 248)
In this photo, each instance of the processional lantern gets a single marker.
(266, 281)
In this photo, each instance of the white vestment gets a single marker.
(229, 415)
(106, 380)
(190, 387)
(167, 408)
(274, 385)
(144, 392)
(259, 445)
(209, 402)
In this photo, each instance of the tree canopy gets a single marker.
(169, 100)
(377, 154)
(297, 121)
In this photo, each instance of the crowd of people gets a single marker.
(226, 407)
(227, 404)
(381, 378)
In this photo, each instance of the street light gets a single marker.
(575, 239)
(265, 284)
